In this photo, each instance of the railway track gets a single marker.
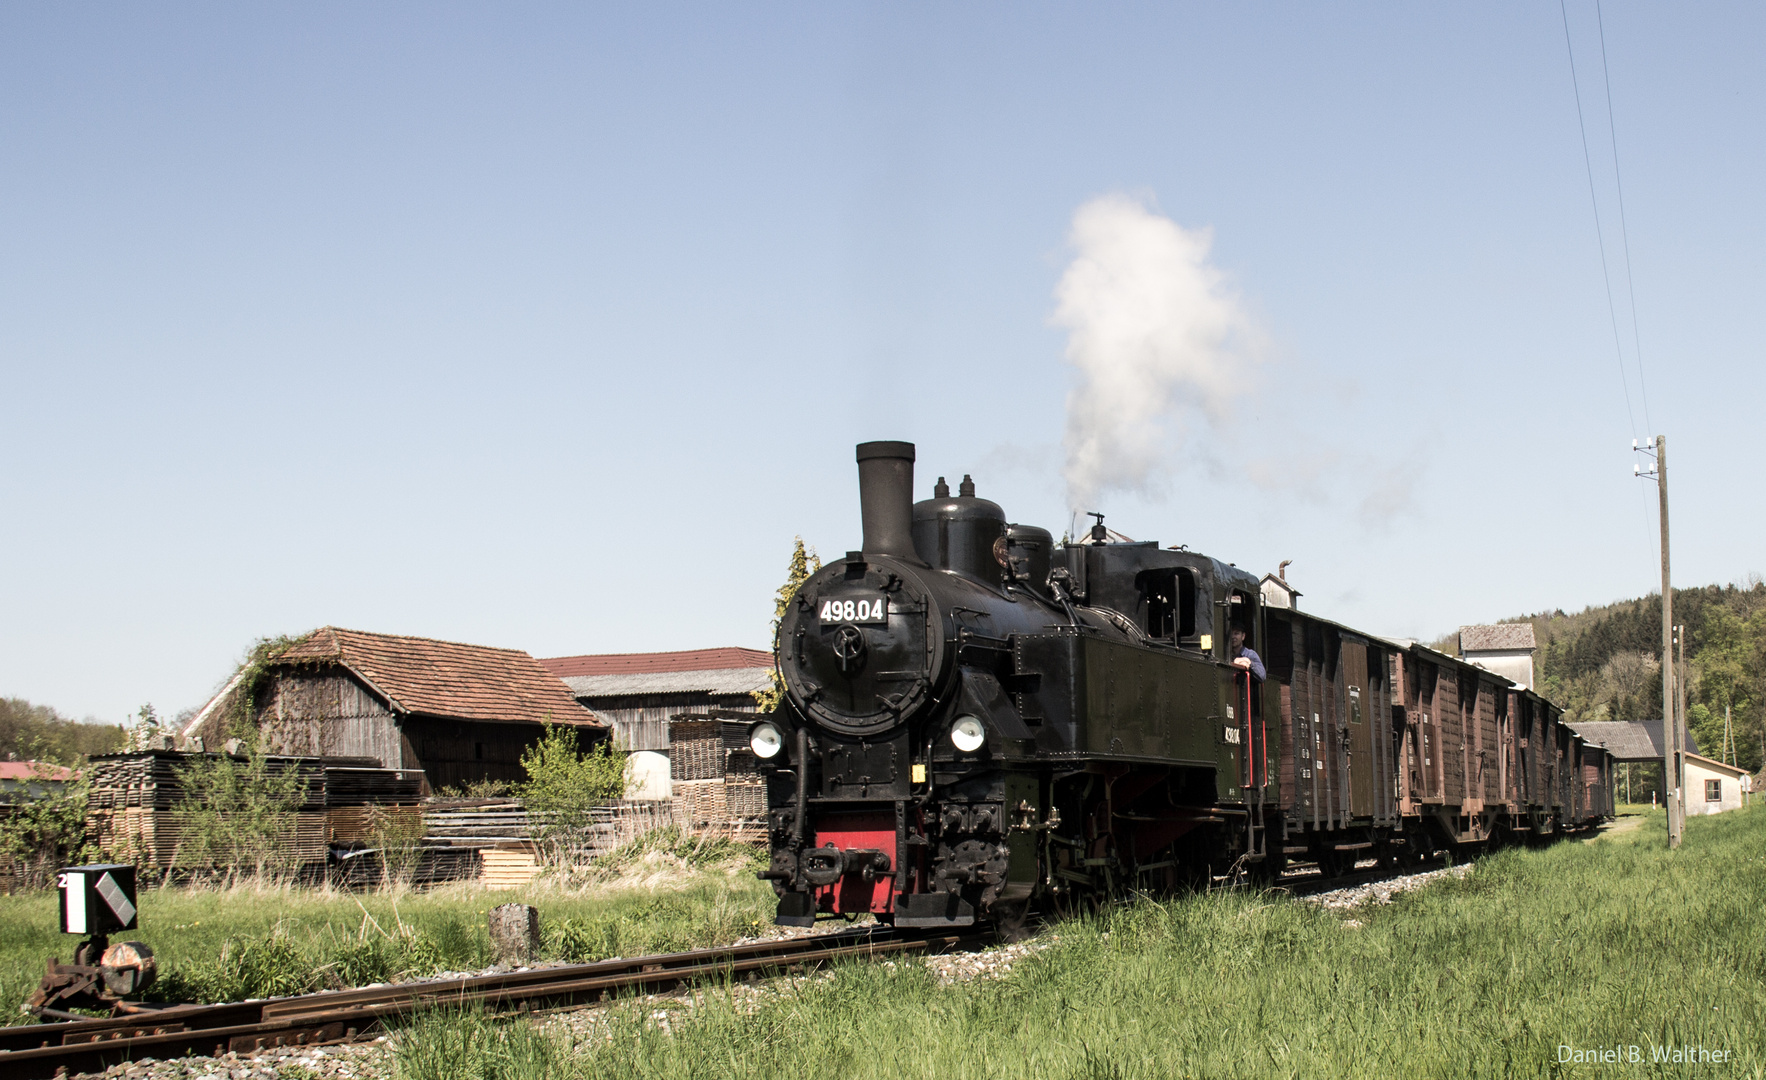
(43, 1050)
(91, 1045)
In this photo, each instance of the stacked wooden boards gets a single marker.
(717, 782)
(142, 807)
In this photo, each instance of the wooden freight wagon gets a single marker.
(1457, 742)
(1597, 777)
(1329, 692)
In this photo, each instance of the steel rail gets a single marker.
(43, 1050)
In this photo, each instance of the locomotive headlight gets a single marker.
(766, 740)
(967, 734)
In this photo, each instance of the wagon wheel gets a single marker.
(1334, 864)
(1266, 871)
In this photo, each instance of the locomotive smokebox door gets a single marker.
(97, 900)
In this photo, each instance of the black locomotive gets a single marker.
(977, 718)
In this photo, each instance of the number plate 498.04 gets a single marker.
(855, 610)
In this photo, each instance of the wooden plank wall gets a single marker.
(327, 713)
(1377, 696)
(1315, 728)
(640, 722)
(1489, 744)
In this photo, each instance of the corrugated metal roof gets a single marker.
(1630, 741)
(737, 680)
(445, 678)
(1517, 635)
(722, 659)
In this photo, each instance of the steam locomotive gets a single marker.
(977, 718)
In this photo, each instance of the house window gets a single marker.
(1713, 791)
(478, 751)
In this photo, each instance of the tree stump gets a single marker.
(515, 933)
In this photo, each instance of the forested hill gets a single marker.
(39, 733)
(1604, 663)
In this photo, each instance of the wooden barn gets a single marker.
(460, 713)
(637, 694)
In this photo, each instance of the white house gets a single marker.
(1506, 648)
(1711, 786)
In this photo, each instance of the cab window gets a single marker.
(1170, 602)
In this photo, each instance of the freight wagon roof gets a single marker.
(1414, 646)
(444, 678)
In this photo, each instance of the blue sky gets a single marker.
(549, 326)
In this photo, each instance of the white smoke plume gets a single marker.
(1160, 341)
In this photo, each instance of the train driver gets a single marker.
(1243, 656)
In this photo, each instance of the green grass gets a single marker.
(1582, 944)
(454, 1045)
(661, 895)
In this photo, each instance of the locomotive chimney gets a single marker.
(886, 498)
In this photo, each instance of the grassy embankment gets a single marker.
(1613, 942)
(661, 895)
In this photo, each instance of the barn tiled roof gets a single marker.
(651, 663)
(445, 678)
(1518, 635)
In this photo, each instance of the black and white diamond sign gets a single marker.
(97, 899)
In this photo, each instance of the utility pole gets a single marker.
(1658, 471)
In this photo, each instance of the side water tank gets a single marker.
(958, 533)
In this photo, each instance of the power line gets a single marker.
(1600, 235)
(1624, 230)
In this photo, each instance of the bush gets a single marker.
(43, 831)
(564, 785)
(238, 814)
(399, 838)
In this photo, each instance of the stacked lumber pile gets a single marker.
(508, 868)
(133, 807)
(365, 804)
(485, 825)
(717, 782)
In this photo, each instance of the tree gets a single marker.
(804, 562)
(43, 818)
(38, 733)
